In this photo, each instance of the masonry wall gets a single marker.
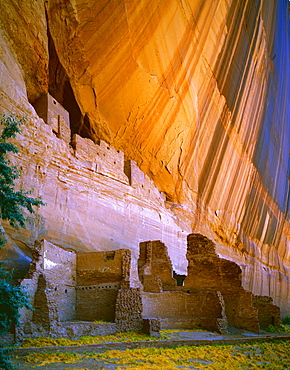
(97, 303)
(59, 269)
(268, 313)
(95, 268)
(99, 276)
(154, 267)
(101, 157)
(182, 310)
(129, 310)
(52, 112)
(50, 282)
(207, 271)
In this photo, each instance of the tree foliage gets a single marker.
(12, 204)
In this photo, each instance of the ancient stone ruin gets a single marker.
(89, 293)
(136, 137)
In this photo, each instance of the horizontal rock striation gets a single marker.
(190, 97)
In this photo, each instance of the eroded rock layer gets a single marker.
(195, 92)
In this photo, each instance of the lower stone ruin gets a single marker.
(76, 294)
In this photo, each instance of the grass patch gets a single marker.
(286, 320)
(102, 322)
(260, 355)
(278, 329)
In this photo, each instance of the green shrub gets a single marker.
(286, 320)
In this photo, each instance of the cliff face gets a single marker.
(194, 92)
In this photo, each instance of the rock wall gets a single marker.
(194, 93)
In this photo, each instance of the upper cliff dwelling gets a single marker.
(157, 134)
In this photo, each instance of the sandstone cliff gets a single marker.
(195, 92)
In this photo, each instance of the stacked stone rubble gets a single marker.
(129, 310)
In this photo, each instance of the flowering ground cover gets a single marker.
(258, 355)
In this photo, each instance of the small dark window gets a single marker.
(109, 256)
(179, 278)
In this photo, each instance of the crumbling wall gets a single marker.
(207, 271)
(154, 267)
(50, 282)
(268, 313)
(163, 299)
(45, 315)
(59, 270)
(99, 277)
(186, 311)
(212, 296)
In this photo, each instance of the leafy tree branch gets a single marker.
(12, 204)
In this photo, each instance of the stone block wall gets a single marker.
(268, 313)
(46, 313)
(186, 311)
(154, 267)
(151, 326)
(59, 269)
(240, 310)
(207, 271)
(99, 277)
(140, 182)
(97, 302)
(66, 286)
(129, 310)
(55, 267)
(135, 175)
(50, 282)
(105, 159)
(52, 112)
(96, 268)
